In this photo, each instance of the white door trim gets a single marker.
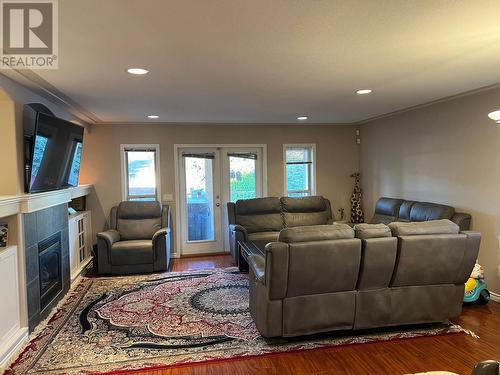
(177, 224)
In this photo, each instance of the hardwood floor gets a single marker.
(455, 353)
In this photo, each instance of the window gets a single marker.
(299, 170)
(140, 170)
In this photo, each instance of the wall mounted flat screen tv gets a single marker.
(53, 150)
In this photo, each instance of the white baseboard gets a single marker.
(495, 297)
(9, 349)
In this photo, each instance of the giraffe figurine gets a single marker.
(357, 215)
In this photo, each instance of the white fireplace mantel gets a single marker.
(26, 203)
(13, 316)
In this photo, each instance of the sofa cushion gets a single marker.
(424, 211)
(316, 233)
(365, 231)
(261, 239)
(314, 210)
(259, 214)
(303, 204)
(132, 252)
(444, 226)
(138, 210)
(138, 220)
(388, 206)
(382, 219)
(404, 210)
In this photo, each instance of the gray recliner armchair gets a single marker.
(138, 240)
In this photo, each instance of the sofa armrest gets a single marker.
(276, 275)
(110, 236)
(471, 252)
(236, 233)
(161, 232)
(239, 228)
(257, 264)
(462, 220)
(161, 249)
(105, 241)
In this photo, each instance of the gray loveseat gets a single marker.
(260, 220)
(138, 239)
(388, 210)
(333, 277)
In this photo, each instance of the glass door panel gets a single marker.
(199, 199)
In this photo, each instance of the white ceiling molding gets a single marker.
(33, 82)
(427, 104)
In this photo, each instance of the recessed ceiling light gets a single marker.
(302, 118)
(495, 115)
(363, 91)
(153, 116)
(137, 71)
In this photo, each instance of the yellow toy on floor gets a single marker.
(475, 288)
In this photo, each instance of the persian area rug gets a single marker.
(113, 325)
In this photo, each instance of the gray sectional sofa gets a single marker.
(333, 277)
(260, 220)
(388, 210)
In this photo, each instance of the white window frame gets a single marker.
(312, 187)
(140, 147)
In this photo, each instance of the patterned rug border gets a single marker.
(51, 326)
(39, 332)
(274, 354)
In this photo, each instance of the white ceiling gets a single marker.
(257, 61)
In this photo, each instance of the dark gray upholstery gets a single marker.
(378, 260)
(364, 231)
(388, 210)
(443, 226)
(302, 211)
(316, 233)
(487, 368)
(259, 215)
(404, 210)
(261, 239)
(261, 219)
(138, 239)
(321, 278)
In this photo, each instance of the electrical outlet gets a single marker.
(168, 197)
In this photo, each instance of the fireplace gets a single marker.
(50, 268)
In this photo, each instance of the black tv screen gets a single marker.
(53, 152)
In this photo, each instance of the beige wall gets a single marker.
(447, 153)
(337, 156)
(8, 146)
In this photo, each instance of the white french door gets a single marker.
(209, 177)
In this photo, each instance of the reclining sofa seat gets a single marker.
(260, 220)
(388, 210)
(333, 277)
